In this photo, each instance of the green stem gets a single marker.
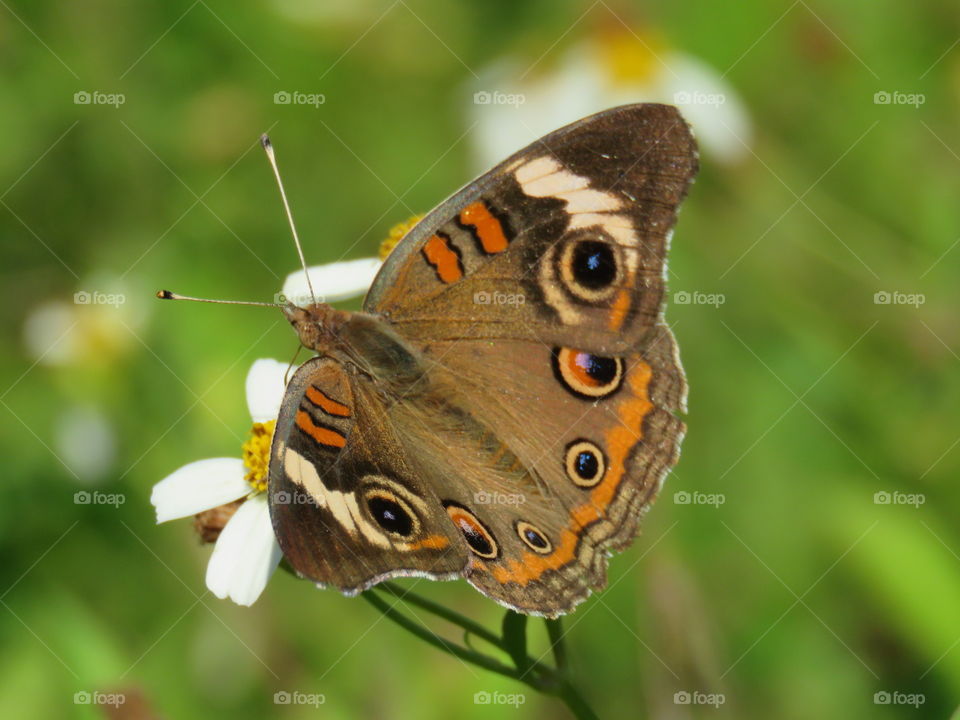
(575, 702)
(555, 632)
(484, 661)
(447, 614)
(545, 679)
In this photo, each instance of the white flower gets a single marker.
(345, 279)
(246, 552)
(331, 282)
(515, 104)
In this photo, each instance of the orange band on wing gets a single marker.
(323, 436)
(444, 258)
(619, 440)
(433, 542)
(489, 229)
(621, 306)
(326, 403)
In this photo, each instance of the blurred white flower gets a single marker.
(246, 552)
(513, 105)
(86, 442)
(94, 327)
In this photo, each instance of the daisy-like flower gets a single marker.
(342, 280)
(246, 552)
(513, 105)
(228, 495)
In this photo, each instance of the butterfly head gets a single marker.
(316, 324)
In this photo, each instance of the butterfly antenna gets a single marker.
(271, 156)
(167, 295)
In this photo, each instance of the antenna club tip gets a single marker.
(265, 141)
(164, 294)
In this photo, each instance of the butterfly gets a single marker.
(503, 409)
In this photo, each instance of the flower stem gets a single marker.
(447, 614)
(527, 670)
(555, 632)
(477, 658)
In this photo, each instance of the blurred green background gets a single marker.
(830, 173)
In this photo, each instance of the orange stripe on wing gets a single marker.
(433, 542)
(323, 436)
(326, 403)
(489, 229)
(444, 258)
(621, 306)
(619, 440)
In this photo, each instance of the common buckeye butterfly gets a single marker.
(502, 409)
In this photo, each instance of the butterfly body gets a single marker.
(503, 408)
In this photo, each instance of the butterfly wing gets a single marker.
(347, 509)
(569, 232)
(587, 461)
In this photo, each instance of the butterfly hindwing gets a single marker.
(588, 461)
(346, 509)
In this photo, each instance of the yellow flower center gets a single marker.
(396, 235)
(256, 454)
(632, 58)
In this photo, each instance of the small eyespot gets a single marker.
(586, 375)
(480, 540)
(585, 463)
(533, 538)
(391, 513)
(589, 267)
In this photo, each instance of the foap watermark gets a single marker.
(498, 298)
(484, 697)
(696, 697)
(285, 697)
(295, 97)
(682, 497)
(87, 697)
(498, 498)
(283, 497)
(495, 97)
(86, 497)
(298, 300)
(895, 297)
(897, 97)
(95, 297)
(695, 97)
(685, 297)
(96, 97)
(885, 497)
(895, 697)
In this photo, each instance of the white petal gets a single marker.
(199, 486)
(265, 388)
(246, 554)
(331, 282)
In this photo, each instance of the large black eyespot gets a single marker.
(533, 538)
(589, 265)
(391, 514)
(480, 540)
(584, 463)
(593, 264)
